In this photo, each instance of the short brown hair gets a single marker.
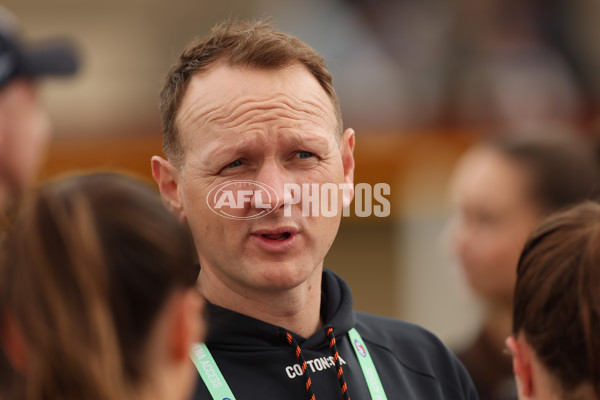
(245, 44)
(557, 296)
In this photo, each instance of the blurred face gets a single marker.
(493, 217)
(273, 127)
(24, 134)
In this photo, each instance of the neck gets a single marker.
(547, 386)
(498, 323)
(296, 309)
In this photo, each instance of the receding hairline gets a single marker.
(238, 43)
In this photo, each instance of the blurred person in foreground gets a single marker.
(249, 105)
(555, 342)
(501, 191)
(24, 124)
(101, 305)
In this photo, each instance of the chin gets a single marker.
(275, 276)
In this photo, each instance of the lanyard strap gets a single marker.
(367, 366)
(210, 373)
(219, 389)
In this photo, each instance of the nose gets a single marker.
(271, 179)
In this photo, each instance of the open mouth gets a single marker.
(276, 239)
(277, 236)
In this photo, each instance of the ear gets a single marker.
(522, 368)
(347, 150)
(187, 324)
(168, 177)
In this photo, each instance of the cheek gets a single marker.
(490, 264)
(500, 261)
(501, 251)
(193, 193)
(517, 235)
(216, 238)
(197, 213)
(323, 231)
(489, 251)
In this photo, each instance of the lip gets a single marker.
(292, 230)
(271, 245)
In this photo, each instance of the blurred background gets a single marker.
(419, 81)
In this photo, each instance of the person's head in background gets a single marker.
(24, 125)
(501, 190)
(99, 280)
(556, 326)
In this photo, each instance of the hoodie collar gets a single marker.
(229, 329)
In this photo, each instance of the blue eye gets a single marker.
(234, 164)
(305, 154)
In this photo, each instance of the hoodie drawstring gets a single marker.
(292, 342)
(336, 358)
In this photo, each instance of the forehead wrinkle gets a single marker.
(229, 114)
(193, 114)
(247, 109)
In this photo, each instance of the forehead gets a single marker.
(485, 176)
(221, 94)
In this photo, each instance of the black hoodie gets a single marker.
(258, 363)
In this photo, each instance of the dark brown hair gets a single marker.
(557, 295)
(562, 170)
(86, 268)
(245, 44)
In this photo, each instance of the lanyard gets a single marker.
(219, 389)
(210, 373)
(367, 366)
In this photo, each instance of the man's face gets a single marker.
(275, 127)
